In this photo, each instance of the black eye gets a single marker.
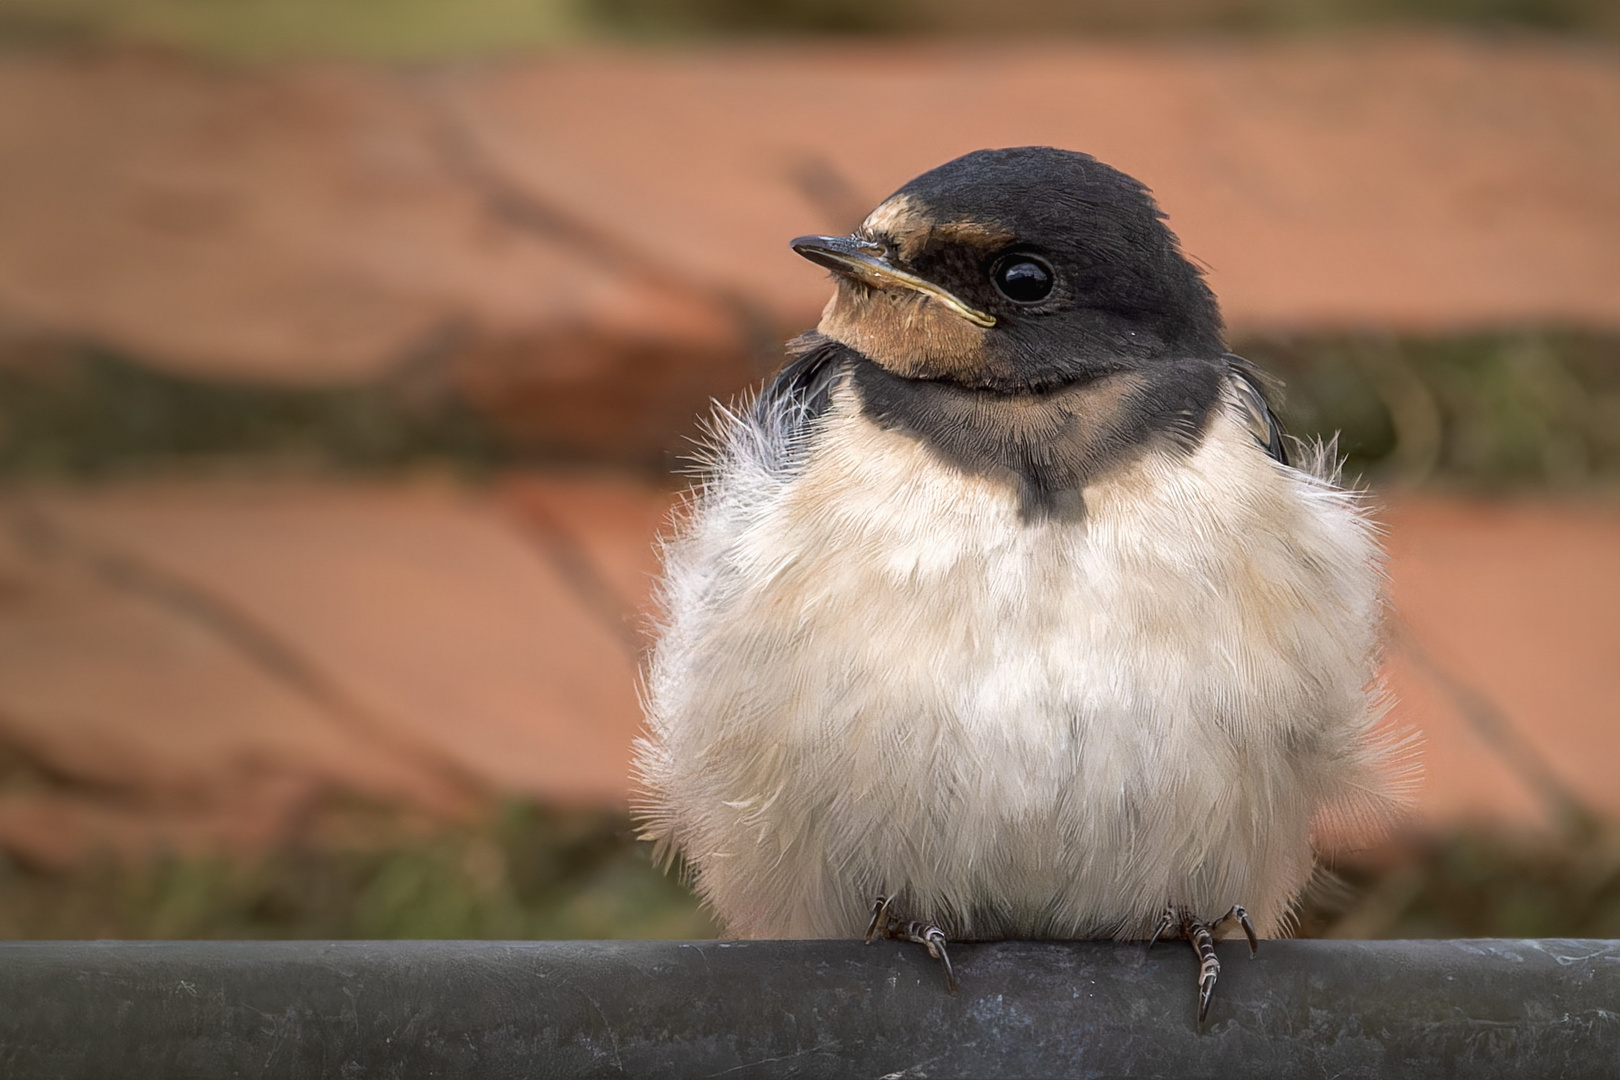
(1022, 278)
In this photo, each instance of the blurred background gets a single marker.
(349, 352)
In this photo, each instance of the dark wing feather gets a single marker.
(802, 390)
(1257, 415)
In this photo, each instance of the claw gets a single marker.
(936, 949)
(1209, 965)
(1166, 922)
(880, 919)
(933, 939)
(1241, 914)
(1206, 988)
(1201, 937)
(925, 934)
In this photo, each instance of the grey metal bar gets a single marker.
(767, 1009)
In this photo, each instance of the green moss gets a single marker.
(1128, 18)
(1477, 882)
(423, 30)
(532, 873)
(90, 413)
(1488, 412)
(527, 873)
(258, 30)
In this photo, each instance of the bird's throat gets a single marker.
(906, 333)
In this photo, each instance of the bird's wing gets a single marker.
(1255, 409)
(802, 390)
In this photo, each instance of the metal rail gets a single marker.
(804, 1008)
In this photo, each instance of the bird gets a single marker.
(1006, 610)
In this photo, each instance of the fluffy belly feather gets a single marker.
(876, 678)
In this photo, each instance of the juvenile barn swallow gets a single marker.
(1005, 611)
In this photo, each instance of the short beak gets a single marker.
(869, 263)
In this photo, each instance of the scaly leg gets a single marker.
(1209, 965)
(915, 930)
(1201, 937)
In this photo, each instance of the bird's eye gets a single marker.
(1022, 278)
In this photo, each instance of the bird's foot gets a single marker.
(1201, 936)
(923, 933)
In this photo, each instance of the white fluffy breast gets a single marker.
(875, 677)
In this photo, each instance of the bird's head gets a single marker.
(1016, 270)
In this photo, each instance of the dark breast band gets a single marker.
(1049, 445)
